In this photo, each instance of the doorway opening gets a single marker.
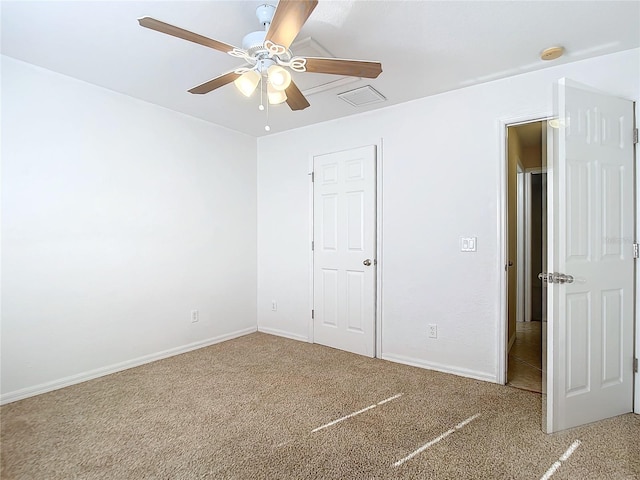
(526, 252)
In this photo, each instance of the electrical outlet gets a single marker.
(195, 316)
(433, 331)
(274, 305)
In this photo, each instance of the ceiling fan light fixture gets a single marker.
(276, 97)
(247, 82)
(279, 78)
(266, 53)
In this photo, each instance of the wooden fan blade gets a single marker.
(295, 99)
(162, 27)
(288, 20)
(338, 66)
(217, 82)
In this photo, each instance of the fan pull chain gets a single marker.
(261, 106)
(262, 86)
(266, 127)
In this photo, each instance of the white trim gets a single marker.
(502, 307)
(282, 333)
(521, 269)
(503, 245)
(461, 372)
(636, 385)
(311, 217)
(379, 161)
(548, 259)
(117, 367)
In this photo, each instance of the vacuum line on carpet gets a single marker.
(563, 458)
(382, 402)
(436, 440)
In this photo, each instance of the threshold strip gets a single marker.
(382, 402)
(563, 458)
(436, 440)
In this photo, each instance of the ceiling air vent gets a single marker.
(362, 96)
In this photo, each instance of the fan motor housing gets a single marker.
(254, 41)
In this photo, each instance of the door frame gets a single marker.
(502, 350)
(527, 268)
(526, 264)
(378, 144)
(636, 234)
(521, 293)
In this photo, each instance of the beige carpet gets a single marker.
(247, 408)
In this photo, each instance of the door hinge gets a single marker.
(312, 177)
(312, 314)
(636, 250)
(635, 135)
(635, 365)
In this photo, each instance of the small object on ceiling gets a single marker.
(552, 53)
(362, 96)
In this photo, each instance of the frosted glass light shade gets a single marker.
(276, 97)
(247, 82)
(279, 78)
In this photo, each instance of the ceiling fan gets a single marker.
(268, 57)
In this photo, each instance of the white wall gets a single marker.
(118, 218)
(442, 174)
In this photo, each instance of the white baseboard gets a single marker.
(282, 333)
(461, 372)
(100, 372)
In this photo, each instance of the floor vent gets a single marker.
(362, 96)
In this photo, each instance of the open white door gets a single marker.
(344, 265)
(591, 290)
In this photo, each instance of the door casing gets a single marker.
(503, 332)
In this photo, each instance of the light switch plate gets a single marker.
(468, 244)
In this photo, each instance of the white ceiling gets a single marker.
(426, 47)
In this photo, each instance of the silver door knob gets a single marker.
(367, 262)
(555, 277)
(562, 278)
(545, 277)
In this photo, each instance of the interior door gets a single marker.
(590, 259)
(344, 264)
